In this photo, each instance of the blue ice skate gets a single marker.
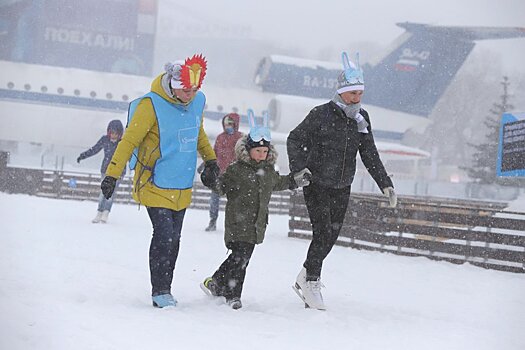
(164, 300)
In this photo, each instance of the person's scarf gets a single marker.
(352, 111)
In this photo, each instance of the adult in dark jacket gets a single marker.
(225, 151)
(108, 143)
(326, 142)
(248, 185)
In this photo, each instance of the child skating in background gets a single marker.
(248, 184)
(108, 143)
(225, 151)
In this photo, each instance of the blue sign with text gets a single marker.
(511, 149)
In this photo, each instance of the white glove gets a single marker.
(392, 197)
(302, 178)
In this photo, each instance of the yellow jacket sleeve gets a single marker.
(203, 144)
(142, 122)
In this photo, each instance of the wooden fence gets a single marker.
(477, 232)
(85, 186)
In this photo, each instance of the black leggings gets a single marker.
(230, 275)
(327, 209)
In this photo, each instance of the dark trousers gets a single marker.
(230, 275)
(214, 205)
(164, 247)
(327, 209)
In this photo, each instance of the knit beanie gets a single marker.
(173, 69)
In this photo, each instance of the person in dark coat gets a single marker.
(248, 185)
(225, 151)
(108, 143)
(326, 142)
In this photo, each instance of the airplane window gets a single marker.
(93, 94)
(125, 97)
(220, 108)
(109, 95)
(235, 109)
(27, 87)
(76, 92)
(60, 91)
(43, 88)
(10, 85)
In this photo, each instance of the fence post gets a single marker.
(400, 235)
(435, 224)
(487, 245)
(57, 183)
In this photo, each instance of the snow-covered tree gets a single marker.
(483, 167)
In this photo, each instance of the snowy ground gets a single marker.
(68, 284)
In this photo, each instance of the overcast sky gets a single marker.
(310, 25)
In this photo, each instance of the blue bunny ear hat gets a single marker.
(259, 135)
(351, 79)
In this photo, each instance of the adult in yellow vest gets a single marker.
(162, 140)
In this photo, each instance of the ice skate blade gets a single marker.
(297, 290)
(155, 305)
(206, 290)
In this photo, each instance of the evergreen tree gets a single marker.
(483, 168)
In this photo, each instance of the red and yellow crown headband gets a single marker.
(188, 75)
(193, 72)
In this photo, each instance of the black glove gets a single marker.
(210, 173)
(108, 186)
(79, 159)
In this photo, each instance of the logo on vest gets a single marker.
(188, 139)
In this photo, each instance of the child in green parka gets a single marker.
(248, 184)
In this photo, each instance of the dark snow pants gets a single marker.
(164, 247)
(230, 275)
(327, 209)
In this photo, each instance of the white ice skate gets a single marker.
(97, 218)
(309, 291)
(104, 216)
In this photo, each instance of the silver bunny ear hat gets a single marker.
(351, 78)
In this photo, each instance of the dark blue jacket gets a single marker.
(108, 147)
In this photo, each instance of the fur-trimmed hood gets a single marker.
(241, 153)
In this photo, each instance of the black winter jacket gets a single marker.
(327, 142)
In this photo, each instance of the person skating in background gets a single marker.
(165, 132)
(108, 143)
(248, 184)
(225, 151)
(326, 142)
